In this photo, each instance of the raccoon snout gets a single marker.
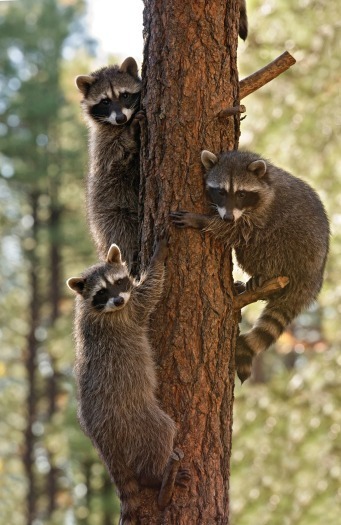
(121, 119)
(115, 301)
(228, 217)
(118, 301)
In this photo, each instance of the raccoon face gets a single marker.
(106, 287)
(235, 183)
(112, 293)
(111, 94)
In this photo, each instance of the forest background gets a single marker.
(286, 444)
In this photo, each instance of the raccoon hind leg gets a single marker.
(266, 331)
(128, 491)
(173, 475)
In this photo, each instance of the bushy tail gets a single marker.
(243, 23)
(130, 500)
(266, 331)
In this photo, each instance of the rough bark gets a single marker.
(189, 75)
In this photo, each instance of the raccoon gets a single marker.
(115, 374)
(111, 101)
(243, 22)
(277, 226)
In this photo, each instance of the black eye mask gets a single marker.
(101, 297)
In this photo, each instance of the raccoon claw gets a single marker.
(183, 477)
(177, 454)
(180, 218)
(139, 116)
(255, 282)
(239, 287)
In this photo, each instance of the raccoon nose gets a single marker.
(118, 301)
(228, 217)
(121, 119)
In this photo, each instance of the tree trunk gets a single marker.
(31, 372)
(189, 75)
(54, 228)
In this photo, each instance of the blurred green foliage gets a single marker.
(285, 467)
(44, 240)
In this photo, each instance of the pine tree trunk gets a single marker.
(189, 75)
(31, 372)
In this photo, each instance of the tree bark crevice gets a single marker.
(185, 80)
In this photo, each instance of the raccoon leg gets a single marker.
(266, 331)
(173, 475)
(185, 219)
(128, 490)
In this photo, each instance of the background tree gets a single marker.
(42, 164)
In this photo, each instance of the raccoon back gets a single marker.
(294, 240)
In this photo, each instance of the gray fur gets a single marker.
(285, 233)
(115, 375)
(113, 178)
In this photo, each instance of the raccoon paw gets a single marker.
(137, 119)
(180, 218)
(244, 357)
(255, 282)
(183, 477)
(239, 287)
(139, 116)
(185, 219)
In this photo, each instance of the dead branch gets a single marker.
(228, 112)
(266, 74)
(261, 293)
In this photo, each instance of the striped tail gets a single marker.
(130, 501)
(266, 331)
(243, 23)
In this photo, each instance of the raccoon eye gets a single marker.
(221, 192)
(119, 281)
(241, 194)
(101, 291)
(105, 101)
(125, 95)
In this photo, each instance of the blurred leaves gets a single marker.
(285, 460)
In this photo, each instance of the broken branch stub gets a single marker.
(261, 77)
(263, 292)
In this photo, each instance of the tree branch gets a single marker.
(261, 293)
(234, 110)
(266, 74)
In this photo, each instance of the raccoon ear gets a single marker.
(258, 167)
(114, 255)
(129, 66)
(83, 82)
(76, 284)
(208, 159)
